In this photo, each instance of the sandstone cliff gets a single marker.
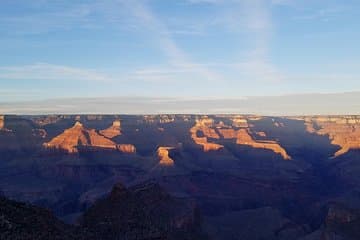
(126, 148)
(2, 122)
(244, 138)
(342, 131)
(76, 136)
(208, 129)
(204, 127)
(240, 121)
(163, 156)
(113, 131)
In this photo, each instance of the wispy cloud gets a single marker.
(253, 19)
(323, 14)
(45, 71)
(300, 104)
(163, 36)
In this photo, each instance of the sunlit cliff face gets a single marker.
(2, 122)
(163, 156)
(113, 131)
(78, 135)
(204, 126)
(239, 130)
(342, 131)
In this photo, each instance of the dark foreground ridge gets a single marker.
(143, 212)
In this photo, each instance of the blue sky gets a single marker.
(197, 49)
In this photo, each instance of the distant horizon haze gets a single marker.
(285, 105)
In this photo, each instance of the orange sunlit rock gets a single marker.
(261, 134)
(76, 136)
(244, 138)
(113, 131)
(342, 131)
(163, 156)
(240, 121)
(228, 133)
(203, 126)
(2, 122)
(126, 148)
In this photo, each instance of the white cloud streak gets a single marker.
(253, 19)
(178, 58)
(45, 71)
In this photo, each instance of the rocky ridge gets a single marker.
(204, 126)
(210, 130)
(78, 135)
(163, 156)
(2, 122)
(144, 211)
(342, 131)
(113, 131)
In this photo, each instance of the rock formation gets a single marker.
(244, 138)
(23, 221)
(342, 131)
(204, 127)
(45, 120)
(144, 211)
(76, 136)
(113, 131)
(239, 121)
(207, 128)
(228, 133)
(2, 122)
(163, 156)
(261, 134)
(126, 148)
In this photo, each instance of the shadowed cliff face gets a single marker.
(226, 163)
(344, 132)
(144, 212)
(23, 221)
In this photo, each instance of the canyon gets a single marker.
(144, 211)
(209, 130)
(344, 132)
(297, 177)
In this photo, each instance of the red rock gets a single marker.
(244, 138)
(203, 126)
(126, 148)
(76, 136)
(163, 156)
(342, 131)
(113, 131)
(2, 122)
